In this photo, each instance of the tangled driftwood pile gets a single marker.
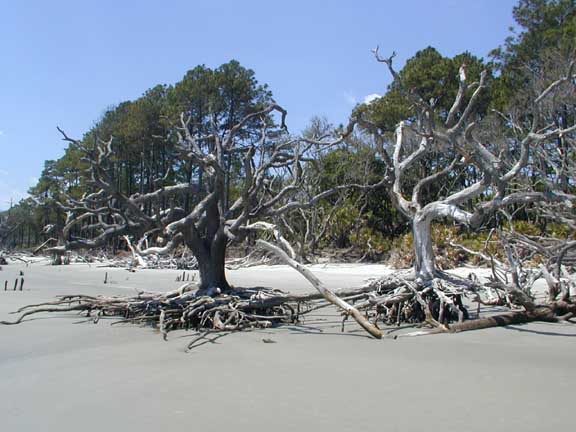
(437, 305)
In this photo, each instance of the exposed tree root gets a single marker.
(66, 307)
(396, 300)
(187, 308)
(184, 309)
(392, 300)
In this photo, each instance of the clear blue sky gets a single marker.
(64, 62)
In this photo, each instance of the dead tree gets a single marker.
(504, 164)
(501, 161)
(268, 189)
(516, 283)
(306, 227)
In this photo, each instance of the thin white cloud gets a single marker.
(3, 172)
(350, 98)
(371, 98)
(1, 132)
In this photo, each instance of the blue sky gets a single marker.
(64, 62)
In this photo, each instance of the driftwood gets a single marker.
(189, 308)
(322, 289)
(401, 298)
(182, 310)
(45, 244)
(395, 300)
(556, 312)
(515, 283)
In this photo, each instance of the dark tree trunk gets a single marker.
(211, 256)
(211, 268)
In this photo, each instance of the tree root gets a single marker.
(392, 301)
(240, 309)
(397, 300)
(244, 308)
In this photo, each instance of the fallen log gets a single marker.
(323, 290)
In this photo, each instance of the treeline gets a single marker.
(144, 133)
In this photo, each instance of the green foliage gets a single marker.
(400, 252)
(447, 256)
(386, 112)
(343, 224)
(143, 137)
(224, 95)
(547, 28)
(369, 241)
(560, 231)
(362, 216)
(429, 76)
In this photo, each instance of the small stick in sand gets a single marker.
(5, 285)
(21, 283)
(478, 311)
(106, 278)
(15, 284)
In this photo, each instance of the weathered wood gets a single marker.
(79, 307)
(137, 259)
(43, 245)
(323, 290)
(555, 312)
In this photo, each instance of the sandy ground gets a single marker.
(59, 374)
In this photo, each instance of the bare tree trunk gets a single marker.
(424, 264)
(211, 265)
(555, 312)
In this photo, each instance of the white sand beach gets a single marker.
(61, 373)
